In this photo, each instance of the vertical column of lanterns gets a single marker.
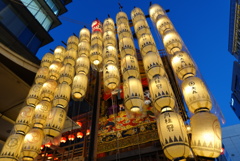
(111, 75)
(206, 131)
(132, 87)
(171, 129)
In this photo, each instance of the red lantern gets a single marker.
(42, 146)
(79, 123)
(63, 140)
(49, 156)
(48, 144)
(88, 132)
(71, 137)
(79, 135)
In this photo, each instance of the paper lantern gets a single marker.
(11, 150)
(137, 14)
(79, 123)
(133, 95)
(155, 12)
(172, 42)
(47, 60)
(72, 43)
(126, 47)
(147, 44)
(71, 56)
(62, 95)
(66, 74)
(34, 96)
(196, 94)
(41, 113)
(97, 38)
(96, 26)
(41, 75)
(110, 55)
(79, 86)
(206, 135)
(161, 93)
(141, 27)
(49, 144)
(96, 54)
(82, 65)
(109, 38)
(121, 17)
(59, 53)
(71, 137)
(63, 140)
(32, 144)
(55, 122)
(129, 67)
(48, 89)
(83, 49)
(153, 65)
(163, 24)
(88, 132)
(183, 65)
(108, 25)
(54, 70)
(79, 135)
(24, 120)
(123, 30)
(173, 135)
(111, 76)
(84, 35)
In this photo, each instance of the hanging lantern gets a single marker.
(126, 46)
(155, 12)
(96, 26)
(141, 27)
(153, 65)
(172, 42)
(79, 135)
(161, 93)
(33, 96)
(32, 144)
(42, 147)
(84, 35)
(66, 74)
(110, 55)
(164, 24)
(173, 135)
(183, 65)
(196, 94)
(11, 150)
(48, 89)
(59, 53)
(133, 95)
(109, 38)
(62, 95)
(83, 49)
(47, 60)
(82, 65)
(71, 137)
(72, 43)
(49, 144)
(108, 25)
(121, 17)
(96, 55)
(71, 57)
(206, 135)
(41, 75)
(79, 86)
(63, 140)
(55, 122)
(123, 30)
(54, 70)
(129, 67)
(79, 123)
(147, 44)
(24, 120)
(111, 76)
(137, 14)
(41, 113)
(96, 38)
(88, 132)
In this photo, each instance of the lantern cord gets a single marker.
(120, 6)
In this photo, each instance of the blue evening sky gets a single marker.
(203, 26)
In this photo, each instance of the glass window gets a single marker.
(25, 36)
(34, 45)
(47, 23)
(26, 2)
(40, 16)
(33, 7)
(53, 6)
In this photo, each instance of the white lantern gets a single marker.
(129, 67)
(108, 25)
(126, 46)
(54, 70)
(83, 49)
(47, 60)
(96, 54)
(164, 24)
(206, 135)
(111, 76)
(172, 42)
(196, 94)
(183, 65)
(66, 74)
(41, 75)
(173, 135)
(48, 89)
(96, 38)
(133, 95)
(161, 93)
(84, 35)
(33, 96)
(71, 56)
(137, 14)
(123, 30)
(72, 42)
(121, 17)
(59, 53)
(147, 44)
(109, 38)
(155, 12)
(141, 27)
(82, 65)
(79, 86)
(62, 95)
(110, 55)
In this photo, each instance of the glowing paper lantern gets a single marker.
(71, 137)
(123, 30)
(24, 119)
(126, 47)
(183, 65)
(109, 38)
(55, 122)
(155, 12)
(147, 44)
(83, 49)
(84, 35)
(47, 60)
(79, 123)
(96, 54)
(82, 65)
(62, 95)
(79, 86)
(54, 70)
(129, 67)
(110, 55)
(97, 38)
(137, 14)
(173, 135)
(72, 43)
(48, 89)
(79, 135)
(49, 144)
(96, 26)
(63, 140)
(41, 75)
(121, 17)
(206, 135)
(164, 24)
(133, 95)
(108, 25)
(196, 94)
(71, 56)
(66, 74)
(11, 150)
(32, 144)
(111, 76)
(33, 96)
(88, 132)
(172, 42)
(141, 27)
(161, 93)
(59, 53)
